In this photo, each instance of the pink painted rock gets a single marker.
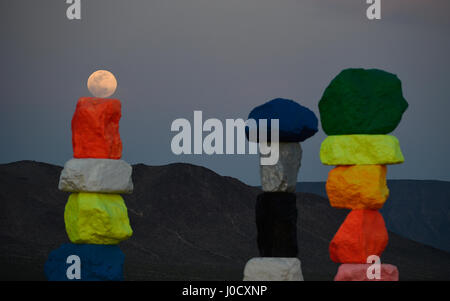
(358, 272)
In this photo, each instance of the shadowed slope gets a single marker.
(189, 224)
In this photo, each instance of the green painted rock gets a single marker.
(360, 101)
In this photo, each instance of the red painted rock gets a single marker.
(358, 272)
(95, 128)
(362, 234)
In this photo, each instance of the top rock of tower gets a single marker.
(360, 101)
(296, 122)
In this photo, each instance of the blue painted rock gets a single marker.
(96, 263)
(296, 122)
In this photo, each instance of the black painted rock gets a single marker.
(360, 101)
(276, 223)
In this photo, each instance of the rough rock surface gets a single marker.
(362, 234)
(276, 223)
(283, 175)
(296, 122)
(95, 128)
(361, 150)
(96, 175)
(358, 272)
(359, 101)
(357, 186)
(97, 263)
(273, 269)
(93, 218)
(173, 241)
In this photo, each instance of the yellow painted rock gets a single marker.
(361, 150)
(357, 186)
(95, 218)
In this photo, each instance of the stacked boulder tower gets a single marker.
(276, 206)
(95, 216)
(358, 110)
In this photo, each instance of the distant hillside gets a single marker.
(189, 224)
(418, 210)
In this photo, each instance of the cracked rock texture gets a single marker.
(361, 150)
(360, 101)
(96, 175)
(273, 269)
(282, 177)
(357, 186)
(95, 128)
(362, 234)
(93, 218)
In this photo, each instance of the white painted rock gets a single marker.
(283, 175)
(96, 175)
(273, 269)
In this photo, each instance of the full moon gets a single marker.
(102, 83)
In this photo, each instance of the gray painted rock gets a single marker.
(96, 175)
(282, 177)
(273, 269)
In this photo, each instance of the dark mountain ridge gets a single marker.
(416, 209)
(189, 224)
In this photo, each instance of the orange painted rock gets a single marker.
(357, 186)
(362, 272)
(362, 234)
(95, 128)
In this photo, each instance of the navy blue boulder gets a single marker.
(97, 263)
(296, 122)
